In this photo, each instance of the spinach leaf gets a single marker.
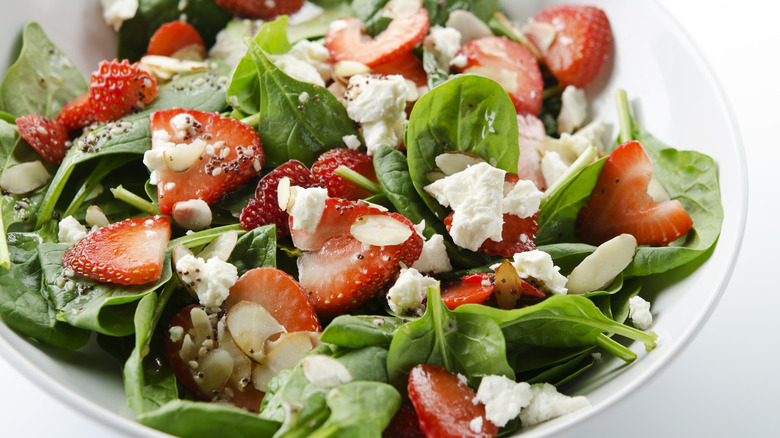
(529, 360)
(357, 331)
(288, 127)
(207, 18)
(102, 307)
(190, 419)
(23, 305)
(439, 10)
(254, 249)
(318, 26)
(560, 374)
(359, 409)
(466, 343)
(467, 113)
(370, 12)
(42, 80)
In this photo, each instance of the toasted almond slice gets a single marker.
(543, 34)
(469, 25)
(601, 267)
(182, 156)
(221, 247)
(343, 70)
(250, 325)
(213, 370)
(454, 162)
(285, 354)
(508, 285)
(325, 371)
(657, 191)
(194, 214)
(171, 65)
(242, 365)
(284, 195)
(96, 217)
(371, 204)
(24, 178)
(380, 230)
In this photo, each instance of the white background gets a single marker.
(727, 382)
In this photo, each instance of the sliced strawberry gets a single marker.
(264, 209)
(118, 88)
(619, 203)
(582, 43)
(339, 271)
(530, 132)
(409, 66)
(48, 137)
(471, 289)
(127, 252)
(77, 113)
(517, 235)
(346, 41)
(232, 156)
(283, 297)
(446, 405)
(176, 37)
(264, 9)
(511, 65)
(325, 166)
(404, 423)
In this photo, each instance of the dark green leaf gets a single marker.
(254, 249)
(359, 410)
(356, 331)
(439, 10)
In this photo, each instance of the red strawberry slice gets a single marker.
(77, 113)
(531, 133)
(118, 88)
(127, 252)
(264, 209)
(517, 235)
(260, 8)
(404, 423)
(446, 405)
(409, 66)
(48, 137)
(511, 65)
(283, 297)
(582, 44)
(232, 156)
(619, 203)
(471, 289)
(176, 37)
(339, 271)
(346, 41)
(325, 166)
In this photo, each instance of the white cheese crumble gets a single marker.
(307, 12)
(378, 103)
(297, 69)
(176, 333)
(475, 425)
(574, 109)
(548, 403)
(503, 398)
(229, 45)
(433, 258)
(476, 197)
(444, 43)
(639, 312)
(351, 141)
(553, 167)
(210, 279)
(523, 200)
(407, 295)
(184, 124)
(538, 266)
(315, 54)
(307, 208)
(116, 12)
(71, 231)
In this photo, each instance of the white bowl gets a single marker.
(674, 95)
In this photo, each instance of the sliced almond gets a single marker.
(242, 365)
(542, 34)
(284, 194)
(602, 266)
(325, 371)
(657, 191)
(168, 66)
(221, 247)
(371, 204)
(435, 175)
(453, 162)
(285, 354)
(401, 8)
(24, 178)
(182, 156)
(509, 285)
(343, 70)
(214, 370)
(178, 252)
(250, 325)
(469, 25)
(380, 230)
(194, 214)
(96, 217)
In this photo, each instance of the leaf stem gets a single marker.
(551, 91)
(5, 256)
(358, 179)
(253, 120)
(136, 201)
(615, 348)
(624, 116)
(205, 236)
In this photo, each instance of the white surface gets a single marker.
(726, 382)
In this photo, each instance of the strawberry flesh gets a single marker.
(619, 203)
(173, 37)
(127, 252)
(47, 136)
(470, 289)
(325, 167)
(264, 9)
(404, 423)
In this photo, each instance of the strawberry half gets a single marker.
(77, 113)
(175, 39)
(409, 66)
(470, 289)
(325, 166)
(346, 41)
(232, 156)
(583, 42)
(446, 405)
(260, 8)
(510, 64)
(619, 203)
(264, 209)
(47, 136)
(339, 271)
(283, 297)
(517, 235)
(127, 252)
(404, 424)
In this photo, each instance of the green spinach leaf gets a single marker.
(439, 10)
(254, 249)
(359, 410)
(190, 419)
(357, 331)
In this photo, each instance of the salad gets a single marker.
(344, 221)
